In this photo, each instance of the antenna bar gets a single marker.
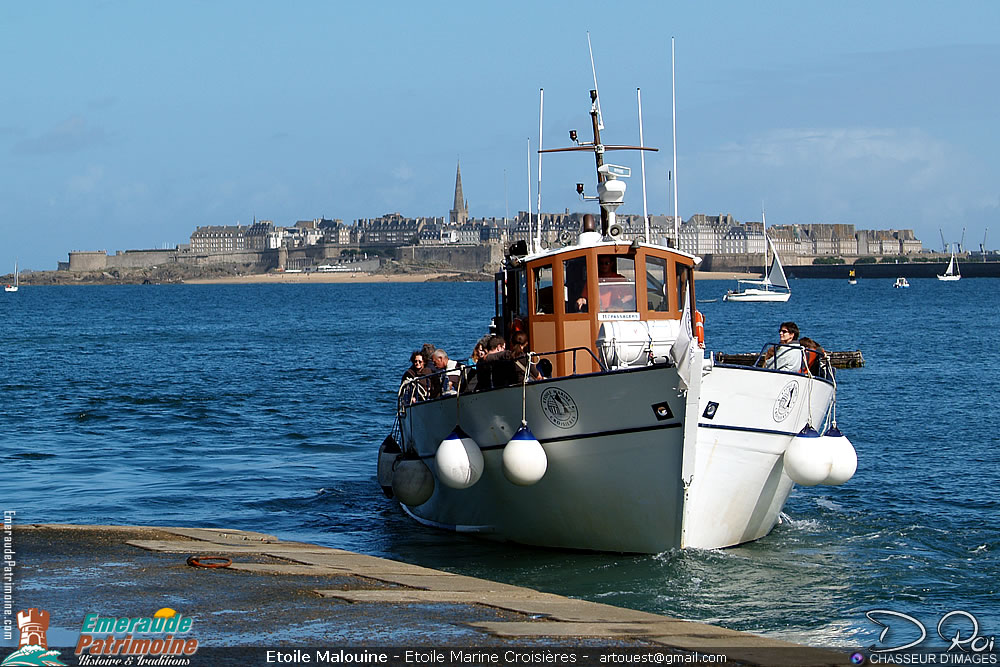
(642, 161)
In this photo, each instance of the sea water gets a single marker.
(261, 407)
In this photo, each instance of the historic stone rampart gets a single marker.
(468, 258)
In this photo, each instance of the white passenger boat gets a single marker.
(635, 442)
(901, 283)
(773, 286)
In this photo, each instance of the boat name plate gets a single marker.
(559, 407)
(786, 400)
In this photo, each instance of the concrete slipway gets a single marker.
(284, 595)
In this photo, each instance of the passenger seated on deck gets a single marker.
(787, 354)
(496, 369)
(520, 354)
(448, 382)
(418, 390)
(815, 358)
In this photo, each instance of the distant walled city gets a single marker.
(477, 244)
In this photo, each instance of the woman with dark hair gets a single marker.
(418, 389)
(787, 354)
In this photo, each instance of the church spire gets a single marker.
(460, 213)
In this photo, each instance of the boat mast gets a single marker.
(642, 163)
(595, 118)
(538, 209)
(673, 116)
(598, 122)
(529, 188)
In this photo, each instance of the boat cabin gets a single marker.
(595, 306)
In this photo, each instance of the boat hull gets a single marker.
(949, 278)
(613, 443)
(749, 417)
(757, 295)
(619, 474)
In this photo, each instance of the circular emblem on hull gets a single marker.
(559, 407)
(786, 400)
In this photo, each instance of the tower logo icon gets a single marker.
(33, 648)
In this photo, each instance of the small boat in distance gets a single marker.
(773, 287)
(900, 282)
(12, 287)
(852, 278)
(952, 273)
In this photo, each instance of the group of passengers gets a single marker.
(798, 355)
(491, 365)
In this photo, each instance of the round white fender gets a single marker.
(807, 461)
(459, 460)
(843, 456)
(412, 481)
(524, 460)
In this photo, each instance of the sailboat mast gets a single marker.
(767, 241)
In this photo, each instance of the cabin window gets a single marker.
(616, 283)
(656, 284)
(575, 288)
(544, 304)
(683, 282)
(522, 293)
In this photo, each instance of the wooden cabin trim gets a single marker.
(558, 330)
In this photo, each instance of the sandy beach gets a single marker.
(317, 277)
(360, 277)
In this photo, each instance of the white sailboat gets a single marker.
(12, 287)
(773, 287)
(952, 273)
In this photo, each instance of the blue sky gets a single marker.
(127, 124)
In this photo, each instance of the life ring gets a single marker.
(699, 328)
(209, 561)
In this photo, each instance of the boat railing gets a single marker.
(574, 351)
(419, 388)
(811, 359)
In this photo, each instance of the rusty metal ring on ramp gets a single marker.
(209, 561)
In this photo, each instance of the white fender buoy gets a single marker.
(524, 460)
(459, 460)
(412, 481)
(807, 461)
(844, 459)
